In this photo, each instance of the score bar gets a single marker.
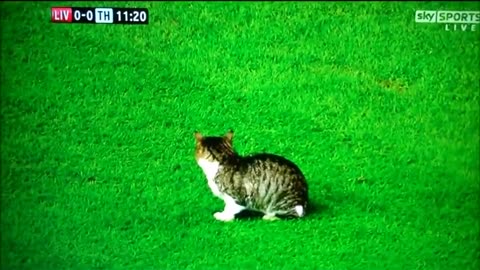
(99, 15)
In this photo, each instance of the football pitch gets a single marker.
(379, 111)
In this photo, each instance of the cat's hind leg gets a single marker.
(270, 217)
(297, 211)
(230, 210)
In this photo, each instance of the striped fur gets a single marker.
(264, 182)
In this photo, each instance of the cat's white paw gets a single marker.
(224, 216)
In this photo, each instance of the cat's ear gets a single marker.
(198, 136)
(229, 135)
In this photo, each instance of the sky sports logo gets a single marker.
(453, 20)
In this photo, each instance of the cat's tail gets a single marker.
(300, 210)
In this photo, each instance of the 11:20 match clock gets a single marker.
(99, 15)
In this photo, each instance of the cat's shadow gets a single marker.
(315, 209)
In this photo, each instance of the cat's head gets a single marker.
(214, 148)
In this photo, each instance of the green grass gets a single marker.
(97, 121)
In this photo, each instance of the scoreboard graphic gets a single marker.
(99, 15)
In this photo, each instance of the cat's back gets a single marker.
(266, 166)
(270, 161)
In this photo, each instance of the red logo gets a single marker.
(61, 14)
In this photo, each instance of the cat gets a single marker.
(263, 182)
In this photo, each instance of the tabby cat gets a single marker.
(264, 183)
